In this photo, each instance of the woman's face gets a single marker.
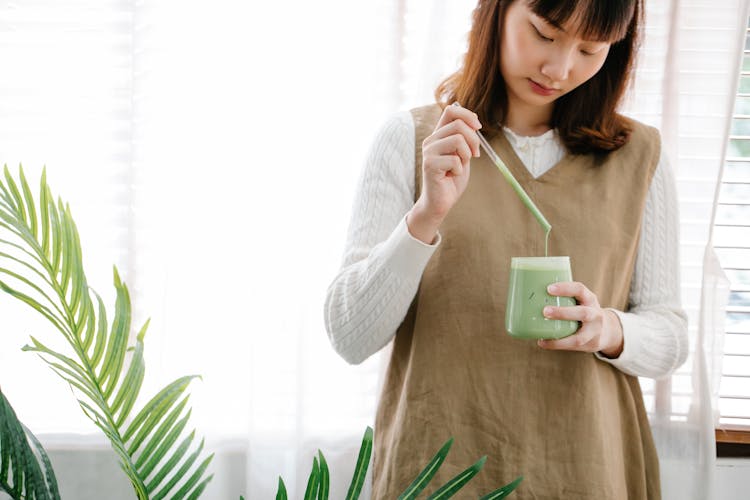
(541, 62)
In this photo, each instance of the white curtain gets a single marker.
(685, 86)
(243, 130)
(252, 122)
(65, 103)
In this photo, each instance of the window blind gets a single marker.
(732, 243)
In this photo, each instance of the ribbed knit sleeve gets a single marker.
(383, 263)
(655, 326)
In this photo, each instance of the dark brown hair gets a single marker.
(586, 118)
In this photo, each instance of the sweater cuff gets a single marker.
(404, 254)
(633, 343)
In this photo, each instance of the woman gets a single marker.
(433, 230)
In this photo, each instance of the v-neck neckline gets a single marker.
(514, 162)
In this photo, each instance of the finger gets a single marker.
(452, 112)
(441, 166)
(583, 340)
(457, 127)
(576, 290)
(581, 313)
(453, 145)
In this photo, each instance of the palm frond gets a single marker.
(311, 492)
(363, 462)
(325, 479)
(41, 264)
(458, 482)
(24, 474)
(504, 491)
(281, 492)
(424, 477)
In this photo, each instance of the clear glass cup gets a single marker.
(527, 296)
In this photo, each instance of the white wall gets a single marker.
(733, 479)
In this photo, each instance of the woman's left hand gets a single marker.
(600, 329)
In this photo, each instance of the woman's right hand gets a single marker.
(446, 154)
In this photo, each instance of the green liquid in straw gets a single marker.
(516, 187)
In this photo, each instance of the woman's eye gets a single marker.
(539, 34)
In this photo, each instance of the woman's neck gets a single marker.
(526, 120)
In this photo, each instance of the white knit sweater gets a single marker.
(383, 263)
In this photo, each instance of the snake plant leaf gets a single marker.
(325, 479)
(458, 482)
(281, 492)
(41, 264)
(48, 471)
(424, 477)
(24, 474)
(360, 470)
(504, 491)
(311, 492)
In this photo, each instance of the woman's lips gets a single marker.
(541, 89)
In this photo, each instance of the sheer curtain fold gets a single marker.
(254, 120)
(700, 71)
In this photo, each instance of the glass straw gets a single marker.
(514, 183)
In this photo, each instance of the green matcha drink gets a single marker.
(527, 296)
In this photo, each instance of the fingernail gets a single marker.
(547, 311)
(552, 288)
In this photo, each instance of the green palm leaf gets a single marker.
(504, 491)
(281, 493)
(360, 470)
(325, 479)
(311, 492)
(41, 264)
(23, 473)
(455, 484)
(424, 477)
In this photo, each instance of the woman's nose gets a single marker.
(558, 66)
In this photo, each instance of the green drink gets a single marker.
(527, 296)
